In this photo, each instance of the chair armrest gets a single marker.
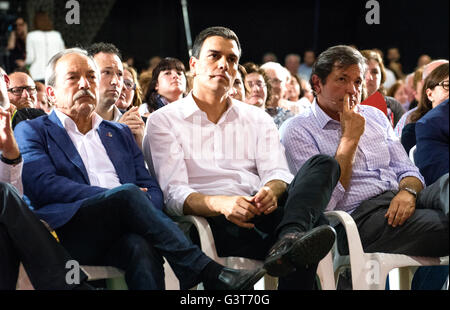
(204, 230)
(354, 242)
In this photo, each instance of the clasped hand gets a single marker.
(241, 209)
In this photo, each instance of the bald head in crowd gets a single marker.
(22, 90)
(427, 69)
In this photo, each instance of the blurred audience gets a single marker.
(292, 63)
(393, 63)
(239, 88)
(419, 77)
(131, 94)
(43, 101)
(398, 92)
(435, 91)
(305, 69)
(269, 57)
(258, 86)
(17, 45)
(375, 77)
(277, 106)
(42, 43)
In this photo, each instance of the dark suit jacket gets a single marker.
(432, 153)
(24, 114)
(54, 177)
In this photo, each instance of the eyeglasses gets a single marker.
(17, 91)
(129, 85)
(444, 85)
(260, 84)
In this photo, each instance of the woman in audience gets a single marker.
(168, 84)
(131, 95)
(435, 91)
(399, 93)
(375, 77)
(258, 87)
(296, 95)
(238, 91)
(41, 45)
(260, 93)
(294, 88)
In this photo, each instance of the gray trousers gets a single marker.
(425, 233)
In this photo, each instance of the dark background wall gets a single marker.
(144, 29)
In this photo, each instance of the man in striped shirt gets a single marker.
(379, 186)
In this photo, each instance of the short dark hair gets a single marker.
(102, 47)
(211, 32)
(337, 56)
(168, 63)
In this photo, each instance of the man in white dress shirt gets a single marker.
(220, 158)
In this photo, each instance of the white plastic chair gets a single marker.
(411, 153)
(369, 270)
(115, 278)
(324, 271)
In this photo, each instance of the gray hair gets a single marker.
(278, 68)
(50, 72)
(341, 56)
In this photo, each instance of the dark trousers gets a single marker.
(122, 228)
(425, 233)
(302, 205)
(23, 238)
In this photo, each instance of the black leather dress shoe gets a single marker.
(234, 279)
(296, 249)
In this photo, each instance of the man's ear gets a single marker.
(6, 80)
(316, 84)
(192, 65)
(49, 90)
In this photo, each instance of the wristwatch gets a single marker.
(409, 190)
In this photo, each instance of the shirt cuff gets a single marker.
(175, 201)
(12, 174)
(412, 174)
(285, 177)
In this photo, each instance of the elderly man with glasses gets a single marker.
(21, 91)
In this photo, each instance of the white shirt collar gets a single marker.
(70, 125)
(189, 107)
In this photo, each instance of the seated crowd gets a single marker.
(109, 159)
